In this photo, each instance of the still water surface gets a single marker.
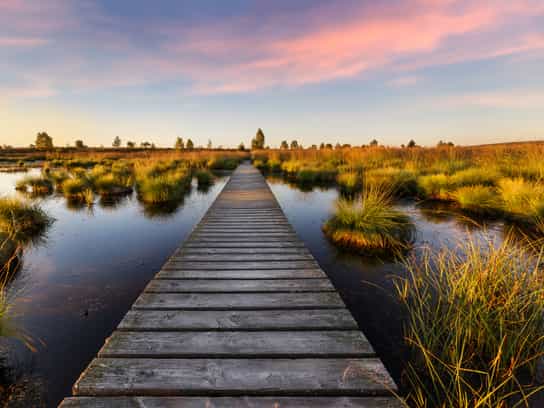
(80, 281)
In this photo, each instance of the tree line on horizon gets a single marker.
(44, 142)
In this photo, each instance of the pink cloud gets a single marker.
(245, 54)
(21, 41)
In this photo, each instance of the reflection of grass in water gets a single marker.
(474, 323)
(162, 210)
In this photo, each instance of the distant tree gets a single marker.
(258, 141)
(44, 141)
(284, 144)
(294, 144)
(179, 145)
(145, 144)
(346, 146)
(209, 145)
(153, 146)
(322, 145)
(411, 143)
(190, 145)
(80, 144)
(328, 146)
(130, 144)
(441, 143)
(241, 146)
(314, 147)
(373, 143)
(337, 146)
(403, 146)
(116, 142)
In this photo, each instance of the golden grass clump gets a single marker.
(371, 225)
(474, 324)
(478, 199)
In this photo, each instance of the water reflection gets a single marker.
(367, 284)
(82, 279)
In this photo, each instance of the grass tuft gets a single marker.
(474, 324)
(371, 225)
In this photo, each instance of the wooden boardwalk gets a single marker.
(240, 316)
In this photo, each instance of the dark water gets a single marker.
(367, 285)
(78, 284)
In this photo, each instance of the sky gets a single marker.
(348, 71)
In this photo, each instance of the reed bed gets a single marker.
(496, 180)
(474, 324)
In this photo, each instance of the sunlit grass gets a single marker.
(21, 220)
(36, 185)
(478, 199)
(474, 324)
(371, 225)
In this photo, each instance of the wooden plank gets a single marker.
(204, 251)
(238, 285)
(177, 377)
(240, 274)
(244, 230)
(236, 344)
(227, 244)
(244, 239)
(261, 257)
(230, 402)
(239, 265)
(316, 319)
(240, 301)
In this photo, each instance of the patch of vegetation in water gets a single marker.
(370, 225)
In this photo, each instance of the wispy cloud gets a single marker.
(248, 52)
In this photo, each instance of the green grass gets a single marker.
(474, 324)
(481, 200)
(435, 186)
(165, 187)
(22, 221)
(34, 185)
(349, 183)
(76, 189)
(222, 163)
(204, 178)
(402, 183)
(371, 225)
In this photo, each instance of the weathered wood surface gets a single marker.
(230, 402)
(221, 320)
(237, 344)
(238, 285)
(240, 316)
(271, 376)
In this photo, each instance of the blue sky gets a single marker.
(334, 71)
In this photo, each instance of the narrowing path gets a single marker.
(240, 316)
